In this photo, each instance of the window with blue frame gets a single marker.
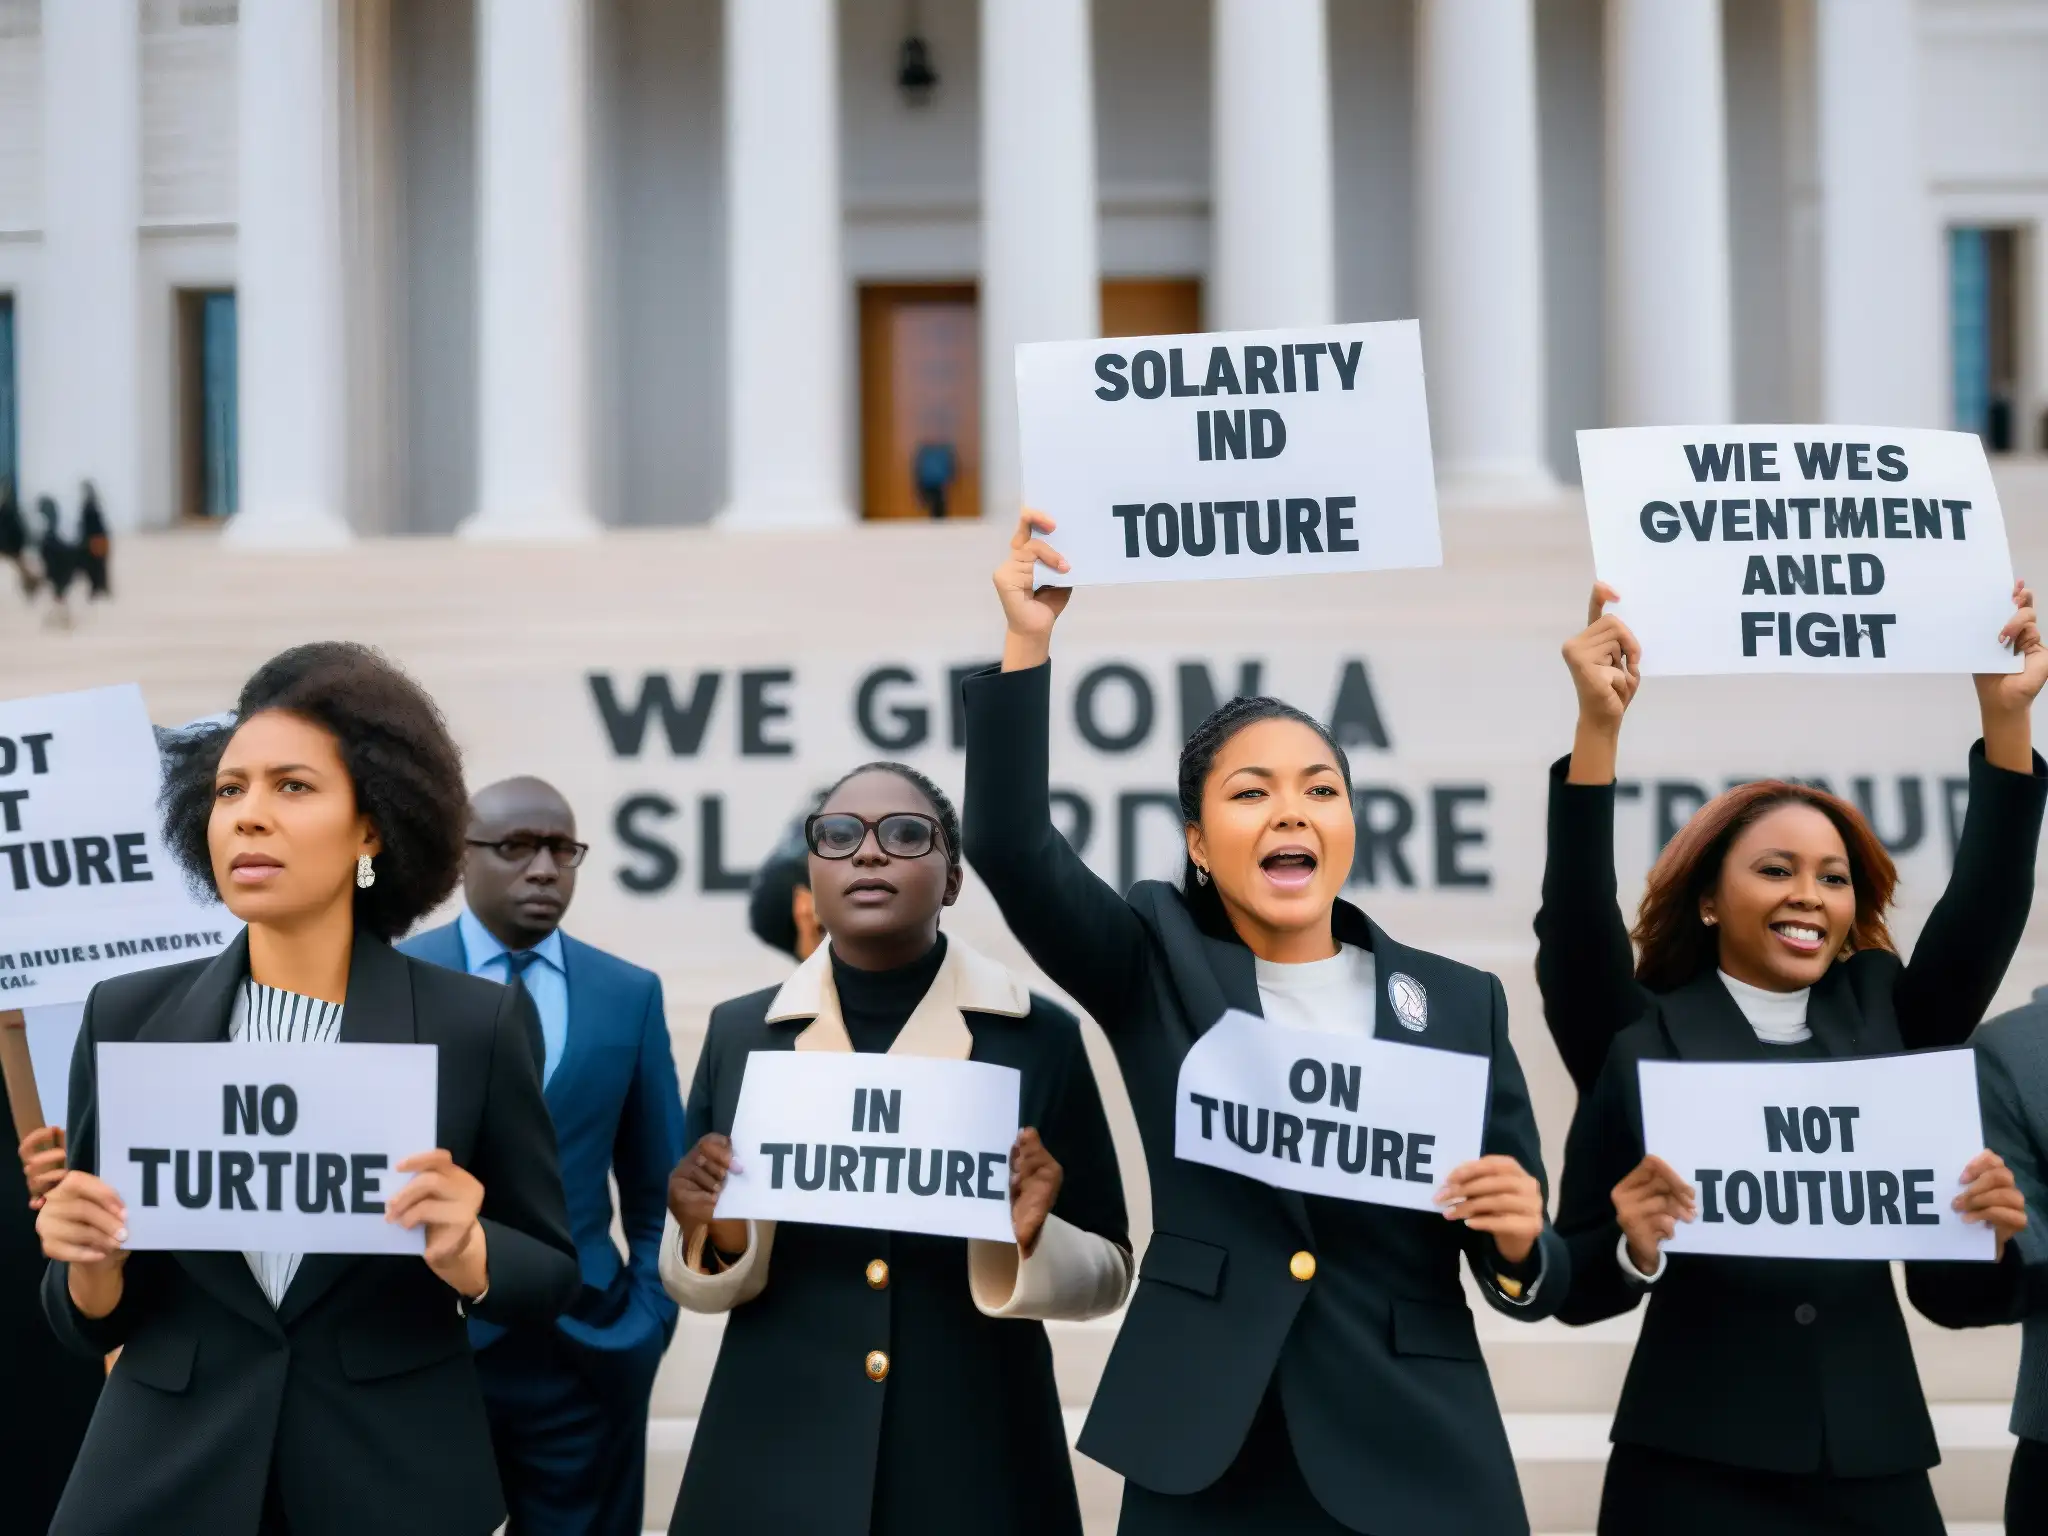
(1984, 333)
(9, 459)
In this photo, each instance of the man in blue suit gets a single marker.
(568, 1404)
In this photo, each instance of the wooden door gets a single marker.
(920, 349)
(1151, 306)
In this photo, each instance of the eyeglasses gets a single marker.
(520, 850)
(900, 835)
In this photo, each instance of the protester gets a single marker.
(887, 1383)
(568, 1402)
(1593, 987)
(1769, 1395)
(1290, 1362)
(315, 1393)
(2012, 1071)
(53, 1390)
(780, 909)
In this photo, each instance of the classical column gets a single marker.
(1881, 295)
(533, 271)
(291, 387)
(84, 359)
(787, 316)
(1272, 220)
(1040, 280)
(1479, 262)
(1670, 350)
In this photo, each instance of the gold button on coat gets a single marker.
(1302, 1266)
(878, 1275)
(878, 1365)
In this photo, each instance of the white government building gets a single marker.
(538, 267)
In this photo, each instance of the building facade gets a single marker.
(532, 268)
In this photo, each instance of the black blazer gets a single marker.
(357, 1394)
(1784, 1365)
(1585, 966)
(966, 1433)
(1376, 1360)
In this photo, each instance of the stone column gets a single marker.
(1881, 295)
(291, 387)
(787, 316)
(1040, 279)
(533, 271)
(1479, 260)
(1670, 349)
(1272, 216)
(84, 356)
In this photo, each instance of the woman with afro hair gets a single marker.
(270, 1392)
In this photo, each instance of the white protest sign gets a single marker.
(286, 1148)
(87, 888)
(1247, 453)
(52, 1037)
(1326, 1114)
(1821, 1159)
(901, 1143)
(1801, 549)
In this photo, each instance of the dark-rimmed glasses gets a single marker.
(519, 851)
(900, 834)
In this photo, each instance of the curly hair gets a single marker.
(1198, 760)
(405, 768)
(942, 808)
(1673, 945)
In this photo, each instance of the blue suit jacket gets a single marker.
(618, 1111)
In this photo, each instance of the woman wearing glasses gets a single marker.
(875, 1383)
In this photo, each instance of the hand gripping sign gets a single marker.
(1801, 549)
(1329, 1114)
(1250, 453)
(1850, 1159)
(902, 1143)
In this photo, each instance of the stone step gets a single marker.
(1560, 1458)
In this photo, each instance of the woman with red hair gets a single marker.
(1768, 1395)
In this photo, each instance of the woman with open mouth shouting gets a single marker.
(888, 1383)
(1291, 1361)
(1769, 1395)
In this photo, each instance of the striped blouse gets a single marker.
(268, 1015)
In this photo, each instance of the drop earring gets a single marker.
(1201, 875)
(366, 875)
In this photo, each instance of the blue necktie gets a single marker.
(519, 962)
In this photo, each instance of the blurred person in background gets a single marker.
(568, 1399)
(780, 908)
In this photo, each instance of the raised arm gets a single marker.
(1079, 930)
(1975, 928)
(1585, 967)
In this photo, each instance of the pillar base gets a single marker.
(286, 528)
(530, 525)
(759, 516)
(1497, 485)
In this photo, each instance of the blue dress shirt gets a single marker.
(547, 980)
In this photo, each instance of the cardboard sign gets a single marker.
(87, 888)
(1247, 453)
(1821, 1159)
(286, 1148)
(899, 1143)
(1801, 549)
(1353, 1117)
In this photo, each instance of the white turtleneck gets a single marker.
(1779, 1018)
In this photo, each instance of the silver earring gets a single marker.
(1710, 920)
(1201, 875)
(366, 876)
